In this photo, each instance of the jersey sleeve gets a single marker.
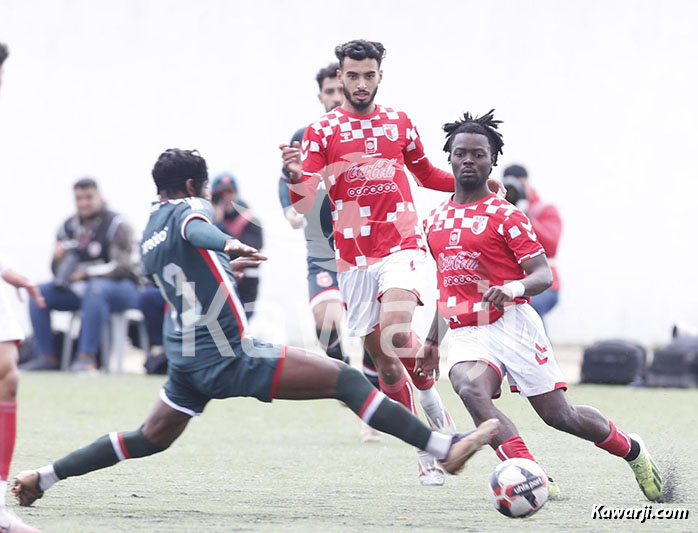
(196, 208)
(426, 174)
(314, 162)
(520, 237)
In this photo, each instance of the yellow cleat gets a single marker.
(553, 488)
(646, 472)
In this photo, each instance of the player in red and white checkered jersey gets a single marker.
(360, 149)
(489, 263)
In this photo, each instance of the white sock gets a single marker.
(438, 445)
(3, 490)
(47, 477)
(431, 403)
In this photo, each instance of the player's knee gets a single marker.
(562, 420)
(472, 393)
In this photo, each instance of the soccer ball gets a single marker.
(518, 488)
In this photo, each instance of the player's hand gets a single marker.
(291, 156)
(19, 281)
(235, 248)
(498, 296)
(241, 263)
(497, 186)
(427, 360)
(296, 219)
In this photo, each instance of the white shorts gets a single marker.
(363, 288)
(10, 330)
(515, 346)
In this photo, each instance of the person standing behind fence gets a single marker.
(94, 273)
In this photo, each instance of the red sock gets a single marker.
(401, 392)
(407, 357)
(8, 430)
(617, 443)
(514, 447)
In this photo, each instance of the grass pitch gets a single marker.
(299, 466)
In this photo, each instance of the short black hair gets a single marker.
(85, 183)
(174, 167)
(360, 49)
(518, 171)
(485, 125)
(330, 71)
(4, 52)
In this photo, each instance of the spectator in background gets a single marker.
(546, 224)
(94, 273)
(234, 217)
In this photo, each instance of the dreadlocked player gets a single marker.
(489, 263)
(209, 356)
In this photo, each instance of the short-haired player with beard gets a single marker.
(210, 353)
(360, 150)
(325, 297)
(489, 264)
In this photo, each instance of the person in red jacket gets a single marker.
(547, 225)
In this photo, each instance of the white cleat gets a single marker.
(11, 523)
(368, 434)
(430, 472)
(442, 422)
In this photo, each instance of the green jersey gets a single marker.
(204, 320)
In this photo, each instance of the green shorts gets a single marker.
(253, 372)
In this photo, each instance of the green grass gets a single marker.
(298, 466)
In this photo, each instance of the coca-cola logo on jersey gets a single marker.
(380, 169)
(459, 261)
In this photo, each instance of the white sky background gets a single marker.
(598, 100)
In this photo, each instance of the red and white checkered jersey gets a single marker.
(477, 246)
(362, 160)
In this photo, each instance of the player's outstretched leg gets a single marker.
(588, 423)
(308, 376)
(9, 379)
(477, 383)
(162, 427)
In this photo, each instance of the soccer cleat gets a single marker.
(430, 473)
(11, 523)
(25, 487)
(464, 446)
(443, 423)
(368, 434)
(553, 488)
(646, 472)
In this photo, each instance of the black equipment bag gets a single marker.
(675, 365)
(616, 362)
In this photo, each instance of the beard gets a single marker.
(359, 106)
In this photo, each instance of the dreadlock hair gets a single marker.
(174, 167)
(330, 71)
(359, 49)
(4, 52)
(485, 125)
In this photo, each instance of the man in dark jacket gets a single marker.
(94, 273)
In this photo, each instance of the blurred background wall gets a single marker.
(598, 100)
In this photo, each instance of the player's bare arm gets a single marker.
(19, 281)
(427, 360)
(539, 277)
